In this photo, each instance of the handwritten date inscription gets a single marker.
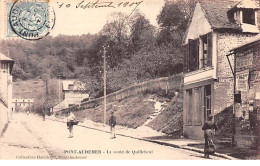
(97, 4)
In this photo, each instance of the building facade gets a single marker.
(247, 86)
(74, 92)
(6, 65)
(214, 29)
(21, 103)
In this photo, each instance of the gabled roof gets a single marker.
(5, 58)
(216, 12)
(247, 4)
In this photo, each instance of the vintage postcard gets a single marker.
(129, 79)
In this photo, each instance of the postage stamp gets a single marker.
(30, 20)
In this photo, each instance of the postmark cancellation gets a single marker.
(30, 20)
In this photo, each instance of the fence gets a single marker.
(164, 83)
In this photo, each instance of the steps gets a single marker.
(158, 107)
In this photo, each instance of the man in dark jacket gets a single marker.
(209, 127)
(112, 124)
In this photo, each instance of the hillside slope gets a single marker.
(138, 111)
(36, 89)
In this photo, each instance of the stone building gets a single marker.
(214, 29)
(247, 85)
(6, 65)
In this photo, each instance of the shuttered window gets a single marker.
(206, 50)
(192, 60)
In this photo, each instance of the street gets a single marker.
(29, 137)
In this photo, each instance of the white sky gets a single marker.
(77, 21)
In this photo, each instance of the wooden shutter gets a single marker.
(193, 55)
(197, 53)
(209, 58)
(185, 58)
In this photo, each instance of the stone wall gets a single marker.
(223, 88)
(165, 83)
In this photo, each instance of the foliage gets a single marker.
(173, 21)
(135, 51)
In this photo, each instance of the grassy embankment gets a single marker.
(134, 111)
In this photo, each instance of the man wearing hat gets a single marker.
(112, 124)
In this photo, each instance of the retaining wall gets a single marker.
(164, 83)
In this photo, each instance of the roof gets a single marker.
(66, 83)
(76, 85)
(216, 13)
(254, 39)
(23, 100)
(5, 58)
(251, 4)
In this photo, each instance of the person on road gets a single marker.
(70, 119)
(209, 128)
(112, 124)
(43, 115)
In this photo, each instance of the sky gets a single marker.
(77, 21)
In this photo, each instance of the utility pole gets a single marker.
(105, 87)
(59, 92)
(234, 96)
(234, 103)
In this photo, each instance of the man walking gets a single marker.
(70, 119)
(112, 124)
(43, 114)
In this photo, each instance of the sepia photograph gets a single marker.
(129, 80)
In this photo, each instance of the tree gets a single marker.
(117, 28)
(173, 21)
(142, 33)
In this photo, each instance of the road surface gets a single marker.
(29, 137)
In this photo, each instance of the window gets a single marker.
(71, 87)
(248, 16)
(206, 50)
(198, 53)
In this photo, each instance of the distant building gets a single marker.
(74, 92)
(214, 29)
(22, 103)
(6, 65)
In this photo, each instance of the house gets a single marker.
(74, 92)
(6, 65)
(214, 29)
(22, 103)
